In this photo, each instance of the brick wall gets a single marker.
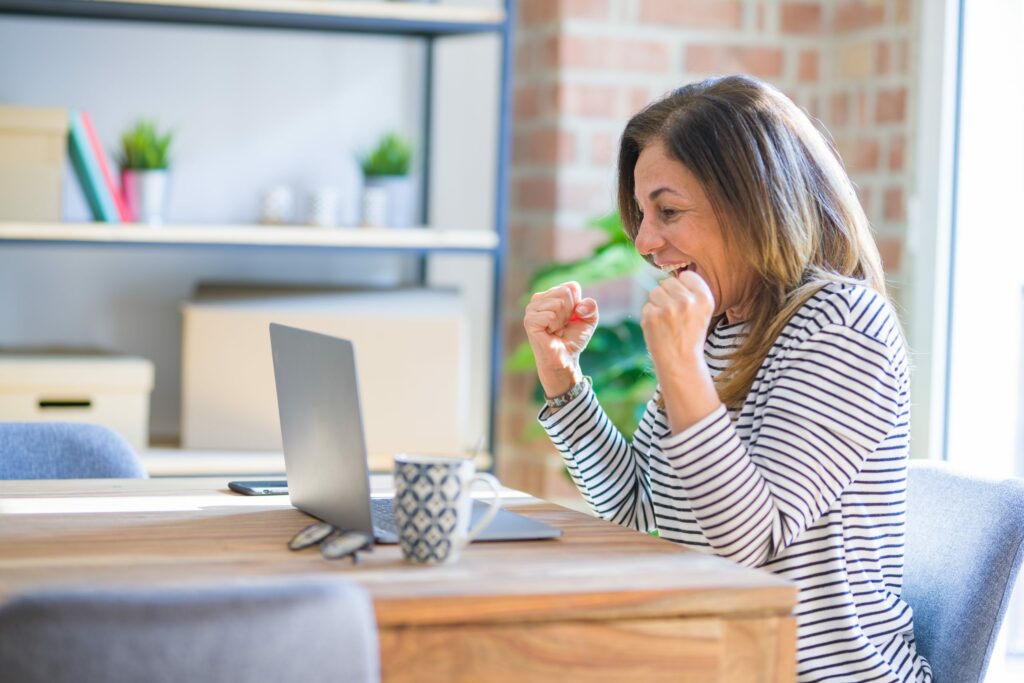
(583, 67)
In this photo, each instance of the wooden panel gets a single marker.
(602, 603)
(648, 651)
(162, 530)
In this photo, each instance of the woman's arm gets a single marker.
(611, 473)
(834, 401)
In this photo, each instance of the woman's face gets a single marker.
(679, 229)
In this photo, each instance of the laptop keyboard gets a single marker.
(383, 516)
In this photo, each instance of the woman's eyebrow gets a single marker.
(661, 190)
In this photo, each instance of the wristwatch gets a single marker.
(574, 391)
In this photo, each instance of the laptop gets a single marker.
(325, 448)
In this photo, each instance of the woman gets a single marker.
(778, 435)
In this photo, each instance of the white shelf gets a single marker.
(407, 11)
(385, 18)
(413, 239)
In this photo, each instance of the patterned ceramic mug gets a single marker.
(433, 504)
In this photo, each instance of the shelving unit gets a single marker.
(417, 21)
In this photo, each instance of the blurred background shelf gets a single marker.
(392, 239)
(383, 18)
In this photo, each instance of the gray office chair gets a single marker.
(308, 630)
(963, 550)
(65, 450)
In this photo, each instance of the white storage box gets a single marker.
(78, 386)
(411, 358)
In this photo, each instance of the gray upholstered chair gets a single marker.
(308, 630)
(962, 554)
(65, 450)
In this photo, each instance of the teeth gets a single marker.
(673, 268)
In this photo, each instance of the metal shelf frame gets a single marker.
(415, 21)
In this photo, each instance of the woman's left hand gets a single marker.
(675, 321)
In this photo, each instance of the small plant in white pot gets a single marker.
(388, 193)
(144, 160)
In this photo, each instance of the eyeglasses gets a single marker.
(334, 543)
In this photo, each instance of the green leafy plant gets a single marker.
(144, 148)
(616, 357)
(390, 157)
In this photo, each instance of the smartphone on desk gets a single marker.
(269, 487)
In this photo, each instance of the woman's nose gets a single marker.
(647, 238)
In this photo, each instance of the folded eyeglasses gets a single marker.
(334, 543)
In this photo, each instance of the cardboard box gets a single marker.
(33, 144)
(411, 360)
(78, 386)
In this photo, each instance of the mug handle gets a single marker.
(491, 481)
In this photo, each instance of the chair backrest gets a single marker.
(65, 450)
(962, 553)
(308, 630)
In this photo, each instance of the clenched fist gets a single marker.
(559, 322)
(675, 322)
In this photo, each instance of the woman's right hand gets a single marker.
(559, 323)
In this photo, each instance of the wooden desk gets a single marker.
(602, 603)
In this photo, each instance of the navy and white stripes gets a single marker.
(807, 479)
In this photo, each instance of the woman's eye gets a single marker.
(668, 214)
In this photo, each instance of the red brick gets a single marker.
(580, 52)
(860, 108)
(897, 153)
(531, 244)
(891, 106)
(839, 109)
(693, 13)
(800, 17)
(540, 12)
(813, 108)
(859, 155)
(807, 66)
(864, 194)
(596, 101)
(603, 149)
(853, 15)
(902, 57)
(883, 58)
(892, 204)
(764, 62)
(637, 99)
(536, 194)
(903, 12)
(891, 251)
(551, 146)
(527, 102)
(583, 9)
(537, 12)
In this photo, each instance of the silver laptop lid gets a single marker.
(321, 427)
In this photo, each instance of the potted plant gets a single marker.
(388, 197)
(616, 357)
(144, 160)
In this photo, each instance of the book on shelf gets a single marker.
(106, 169)
(87, 168)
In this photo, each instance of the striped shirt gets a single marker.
(806, 479)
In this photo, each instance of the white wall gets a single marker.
(252, 108)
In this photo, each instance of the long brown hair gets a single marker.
(779, 192)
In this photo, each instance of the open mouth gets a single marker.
(674, 269)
